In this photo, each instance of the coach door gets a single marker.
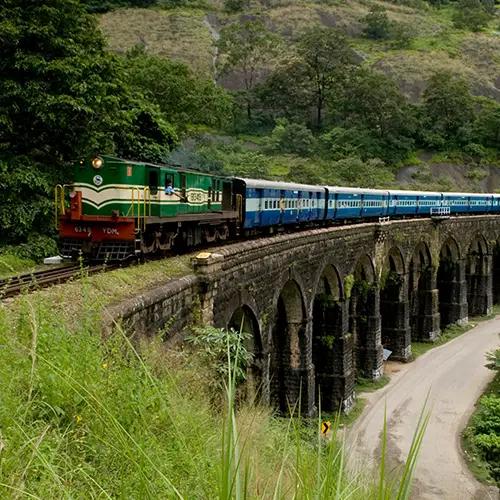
(227, 195)
(150, 194)
(183, 205)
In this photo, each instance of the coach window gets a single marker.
(153, 181)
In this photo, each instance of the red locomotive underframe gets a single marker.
(97, 228)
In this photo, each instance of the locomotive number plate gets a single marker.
(83, 229)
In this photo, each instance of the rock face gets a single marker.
(321, 305)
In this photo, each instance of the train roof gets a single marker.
(353, 190)
(467, 194)
(403, 192)
(175, 167)
(289, 186)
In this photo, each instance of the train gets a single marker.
(118, 209)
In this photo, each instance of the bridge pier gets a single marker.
(395, 309)
(495, 271)
(479, 285)
(291, 373)
(332, 354)
(429, 319)
(424, 295)
(397, 335)
(366, 327)
(452, 285)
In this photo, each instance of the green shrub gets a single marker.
(291, 138)
(224, 351)
(36, 248)
(486, 432)
(472, 15)
(377, 24)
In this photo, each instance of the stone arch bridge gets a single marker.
(322, 305)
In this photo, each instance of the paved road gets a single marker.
(454, 376)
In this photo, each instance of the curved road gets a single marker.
(454, 376)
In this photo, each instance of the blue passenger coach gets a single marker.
(413, 202)
(480, 203)
(468, 202)
(270, 203)
(354, 203)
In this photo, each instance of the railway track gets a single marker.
(14, 285)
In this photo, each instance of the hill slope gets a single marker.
(189, 35)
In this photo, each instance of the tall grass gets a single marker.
(317, 469)
(83, 417)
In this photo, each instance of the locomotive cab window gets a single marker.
(153, 181)
(169, 183)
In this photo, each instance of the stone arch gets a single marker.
(478, 276)
(289, 377)
(331, 348)
(364, 319)
(423, 295)
(244, 319)
(394, 306)
(451, 285)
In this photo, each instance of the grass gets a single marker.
(474, 458)
(451, 332)
(180, 34)
(367, 385)
(81, 416)
(12, 265)
(346, 419)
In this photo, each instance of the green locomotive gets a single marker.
(119, 209)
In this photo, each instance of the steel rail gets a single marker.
(29, 282)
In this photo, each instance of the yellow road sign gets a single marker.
(325, 427)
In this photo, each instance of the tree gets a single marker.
(235, 5)
(246, 48)
(291, 138)
(62, 97)
(105, 5)
(373, 105)
(326, 59)
(486, 128)
(377, 24)
(54, 82)
(183, 98)
(473, 15)
(287, 92)
(26, 205)
(448, 108)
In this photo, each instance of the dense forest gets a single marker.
(303, 105)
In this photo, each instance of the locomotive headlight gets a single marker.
(97, 162)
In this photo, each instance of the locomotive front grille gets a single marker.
(102, 252)
(113, 250)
